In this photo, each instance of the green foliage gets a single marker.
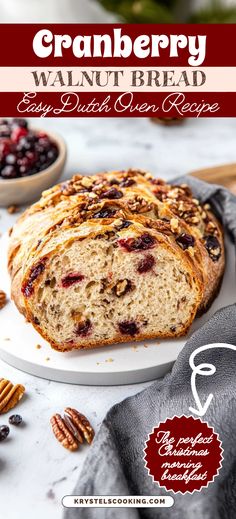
(169, 11)
(216, 13)
(141, 11)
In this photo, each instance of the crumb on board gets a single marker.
(135, 348)
(106, 360)
(12, 209)
(47, 359)
(6, 339)
(145, 345)
(38, 346)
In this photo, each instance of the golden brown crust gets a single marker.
(86, 206)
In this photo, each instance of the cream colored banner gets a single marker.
(76, 79)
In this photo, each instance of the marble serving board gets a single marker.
(22, 347)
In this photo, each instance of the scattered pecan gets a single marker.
(3, 299)
(81, 423)
(71, 429)
(62, 433)
(10, 395)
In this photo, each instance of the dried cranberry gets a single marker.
(113, 182)
(27, 151)
(44, 142)
(20, 122)
(9, 172)
(52, 155)
(127, 182)
(157, 182)
(31, 156)
(128, 328)
(17, 133)
(213, 247)
(185, 240)
(27, 288)
(112, 193)
(143, 242)
(5, 147)
(42, 134)
(4, 431)
(146, 264)
(10, 159)
(71, 279)
(105, 213)
(24, 162)
(26, 143)
(5, 131)
(83, 328)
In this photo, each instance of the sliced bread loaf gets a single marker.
(114, 257)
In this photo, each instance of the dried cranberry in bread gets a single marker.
(114, 257)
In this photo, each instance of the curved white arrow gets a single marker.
(205, 369)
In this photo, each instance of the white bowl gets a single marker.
(19, 191)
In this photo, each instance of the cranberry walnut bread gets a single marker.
(114, 257)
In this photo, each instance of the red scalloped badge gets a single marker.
(183, 454)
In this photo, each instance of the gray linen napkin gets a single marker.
(115, 465)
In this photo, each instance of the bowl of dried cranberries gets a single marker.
(31, 161)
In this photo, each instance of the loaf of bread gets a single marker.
(115, 257)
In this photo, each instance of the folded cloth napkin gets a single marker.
(115, 465)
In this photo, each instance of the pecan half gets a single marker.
(10, 395)
(63, 433)
(81, 423)
(72, 429)
(3, 299)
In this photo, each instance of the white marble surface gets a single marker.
(35, 471)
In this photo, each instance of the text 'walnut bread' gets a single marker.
(114, 257)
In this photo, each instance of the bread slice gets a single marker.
(110, 258)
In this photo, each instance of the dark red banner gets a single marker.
(101, 104)
(16, 44)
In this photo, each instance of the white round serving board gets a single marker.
(119, 364)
